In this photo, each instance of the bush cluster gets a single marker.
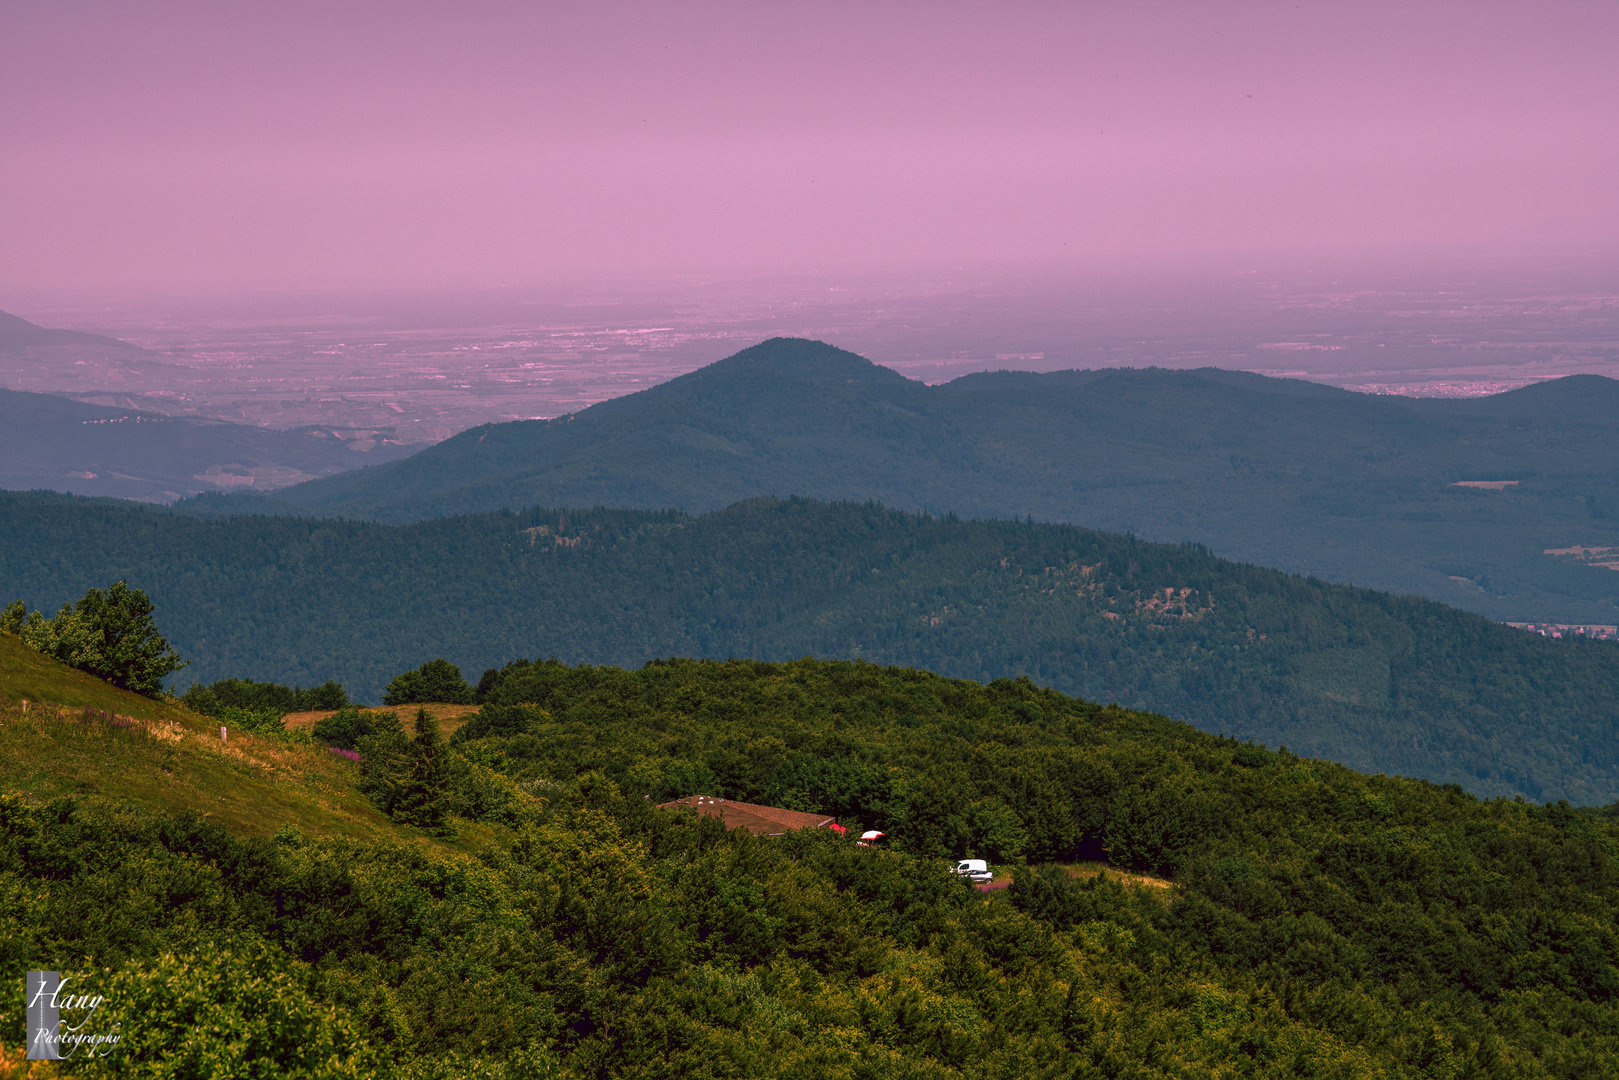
(435, 681)
(264, 697)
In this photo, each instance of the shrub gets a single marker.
(347, 727)
(200, 698)
(264, 696)
(500, 720)
(228, 1013)
(256, 721)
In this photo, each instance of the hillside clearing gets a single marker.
(449, 717)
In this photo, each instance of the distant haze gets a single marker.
(178, 145)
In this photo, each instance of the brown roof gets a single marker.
(761, 820)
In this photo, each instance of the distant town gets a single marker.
(1546, 629)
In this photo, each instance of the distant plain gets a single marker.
(431, 363)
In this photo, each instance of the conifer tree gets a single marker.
(422, 798)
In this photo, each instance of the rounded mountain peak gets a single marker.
(804, 360)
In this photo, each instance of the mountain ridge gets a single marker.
(1286, 473)
(17, 332)
(322, 916)
(57, 443)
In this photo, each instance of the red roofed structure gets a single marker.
(759, 820)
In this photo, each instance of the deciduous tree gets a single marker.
(109, 634)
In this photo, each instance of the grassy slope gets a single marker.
(172, 760)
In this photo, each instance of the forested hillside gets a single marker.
(1284, 473)
(1382, 683)
(1315, 921)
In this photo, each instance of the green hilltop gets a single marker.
(1307, 478)
(1382, 683)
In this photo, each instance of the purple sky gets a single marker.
(161, 144)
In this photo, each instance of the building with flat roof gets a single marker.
(759, 820)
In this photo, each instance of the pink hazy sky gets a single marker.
(168, 144)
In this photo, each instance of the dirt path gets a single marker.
(1084, 870)
(1091, 869)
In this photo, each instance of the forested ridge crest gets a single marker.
(1380, 682)
(1280, 472)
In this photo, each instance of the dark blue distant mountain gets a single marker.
(1281, 472)
(18, 333)
(58, 444)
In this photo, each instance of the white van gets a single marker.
(975, 871)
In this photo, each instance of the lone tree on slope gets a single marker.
(108, 634)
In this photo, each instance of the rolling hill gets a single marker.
(18, 333)
(47, 359)
(1306, 478)
(1379, 682)
(57, 444)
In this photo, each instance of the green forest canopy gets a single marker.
(1322, 922)
(1382, 683)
